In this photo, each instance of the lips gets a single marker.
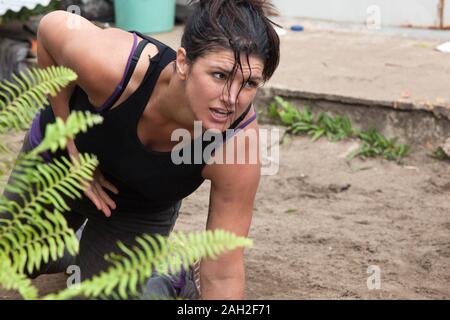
(219, 114)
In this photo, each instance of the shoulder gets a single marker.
(76, 43)
(237, 161)
(98, 56)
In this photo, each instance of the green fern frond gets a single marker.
(37, 239)
(58, 133)
(33, 233)
(10, 279)
(129, 270)
(20, 101)
(45, 184)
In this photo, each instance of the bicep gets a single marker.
(231, 199)
(71, 40)
(231, 209)
(66, 35)
(234, 186)
(232, 195)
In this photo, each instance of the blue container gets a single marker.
(297, 27)
(147, 16)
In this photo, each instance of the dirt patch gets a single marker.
(321, 222)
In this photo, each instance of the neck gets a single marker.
(172, 107)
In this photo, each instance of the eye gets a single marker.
(251, 84)
(219, 75)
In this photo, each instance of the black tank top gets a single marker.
(147, 180)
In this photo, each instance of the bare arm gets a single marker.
(97, 56)
(62, 44)
(233, 190)
(59, 44)
(59, 103)
(63, 40)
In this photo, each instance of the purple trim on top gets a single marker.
(120, 85)
(35, 137)
(242, 126)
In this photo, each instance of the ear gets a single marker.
(182, 64)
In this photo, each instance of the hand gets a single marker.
(94, 189)
(98, 196)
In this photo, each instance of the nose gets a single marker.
(230, 94)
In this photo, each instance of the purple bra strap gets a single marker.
(242, 126)
(120, 85)
(35, 137)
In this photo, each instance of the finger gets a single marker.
(94, 193)
(106, 198)
(91, 195)
(108, 185)
(104, 206)
(99, 201)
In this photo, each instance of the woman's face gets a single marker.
(207, 90)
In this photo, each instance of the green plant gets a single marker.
(439, 154)
(33, 229)
(335, 128)
(165, 255)
(375, 144)
(21, 99)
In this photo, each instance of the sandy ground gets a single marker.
(321, 222)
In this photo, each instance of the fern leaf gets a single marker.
(47, 179)
(20, 102)
(23, 234)
(57, 134)
(28, 248)
(153, 255)
(10, 279)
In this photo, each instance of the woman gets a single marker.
(228, 49)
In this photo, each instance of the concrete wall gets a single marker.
(417, 128)
(423, 13)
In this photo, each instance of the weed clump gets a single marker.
(336, 128)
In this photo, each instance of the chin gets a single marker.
(209, 124)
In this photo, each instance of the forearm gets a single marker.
(225, 289)
(220, 280)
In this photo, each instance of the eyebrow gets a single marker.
(225, 70)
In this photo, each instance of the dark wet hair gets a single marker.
(239, 25)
